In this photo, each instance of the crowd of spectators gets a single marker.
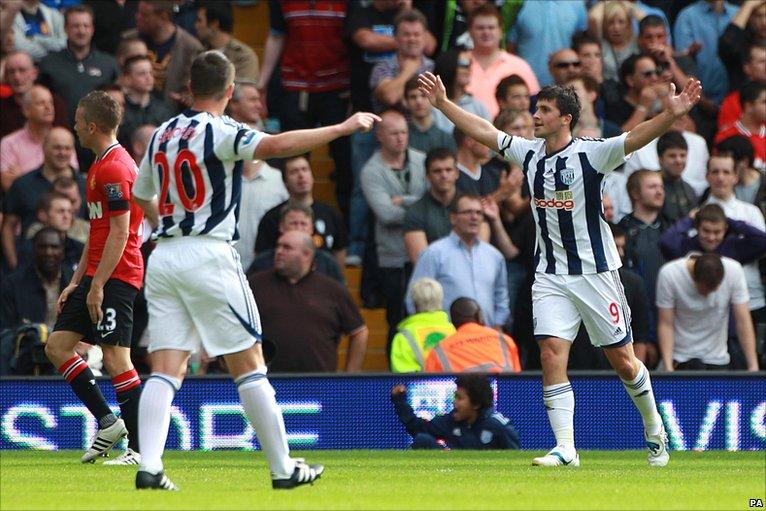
(440, 226)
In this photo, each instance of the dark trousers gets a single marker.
(301, 110)
(425, 441)
(393, 286)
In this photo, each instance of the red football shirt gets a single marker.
(110, 182)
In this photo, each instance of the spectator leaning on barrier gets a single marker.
(324, 306)
(419, 333)
(472, 424)
(474, 347)
(694, 295)
(466, 266)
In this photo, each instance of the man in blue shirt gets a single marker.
(466, 266)
(472, 424)
(703, 22)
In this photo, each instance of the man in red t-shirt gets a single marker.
(752, 123)
(97, 306)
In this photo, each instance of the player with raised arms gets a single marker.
(189, 183)
(97, 305)
(576, 259)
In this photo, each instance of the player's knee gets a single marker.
(550, 357)
(116, 360)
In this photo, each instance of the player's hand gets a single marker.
(431, 85)
(94, 300)
(398, 390)
(680, 105)
(360, 121)
(63, 297)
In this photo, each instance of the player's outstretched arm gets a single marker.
(470, 124)
(295, 142)
(679, 106)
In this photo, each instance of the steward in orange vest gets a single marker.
(474, 347)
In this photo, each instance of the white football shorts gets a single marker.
(197, 294)
(560, 302)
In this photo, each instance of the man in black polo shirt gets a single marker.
(79, 68)
(322, 311)
(329, 230)
(427, 220)
(25, 192)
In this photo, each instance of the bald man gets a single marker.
(22, 151)
(392, 180)
(20, 74)
(324, 306)
(58, 152)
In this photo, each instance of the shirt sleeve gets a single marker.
(235, 141)
(606, 154)
(513, 148)
(144, 187)
(276, 18)
(665, 298)
(114, 183)
(739, 293)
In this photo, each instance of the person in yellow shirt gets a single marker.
(419, 333)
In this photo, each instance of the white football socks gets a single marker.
(640, 391)
(154, 419)
(258, 400)
(559, 402)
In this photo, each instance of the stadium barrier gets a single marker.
(702, 411)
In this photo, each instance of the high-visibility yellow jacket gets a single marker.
(417, 335)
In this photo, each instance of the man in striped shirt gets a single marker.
(576, 258)
(189, 185)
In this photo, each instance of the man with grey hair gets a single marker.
(419, 333)
(327, 311)
(245, 104)
(22, 151)
(20, 74)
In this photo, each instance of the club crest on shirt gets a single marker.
(567, 176)
(485, 436)
(113, 191)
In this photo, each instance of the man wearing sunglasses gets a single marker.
(564, 65)
(640, 78)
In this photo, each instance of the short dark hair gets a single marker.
(110, 87)
(485, 10)
(617, 231)
(102, 110)
(738, 147)
(459, 136)
(478, 388)
(79, 8)
(566, 100)
(455, 204)
(747, 53)
(218, 11)
(410, 16)
(411, 84)
(132, 60)
(436, 154)
(651, 20)
(580, 39)
(211, 73)
(48, 230)
(506, 83)
(750, 91)
(46, 200)
(633, 185)
(708, 270)
(628, 67)
(712, 213)
(671, 140)
(290, 206)
(588, 82)
(64, 182)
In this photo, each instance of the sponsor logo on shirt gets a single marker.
(560, 200)
(95, 210)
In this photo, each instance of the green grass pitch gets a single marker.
(393, 480)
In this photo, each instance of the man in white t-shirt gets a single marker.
(694, 295)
